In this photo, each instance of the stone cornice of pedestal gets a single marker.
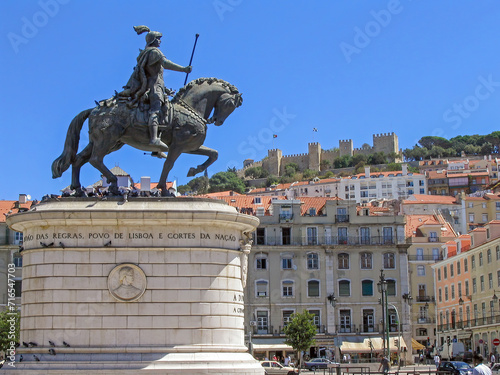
(134, 212)
(142, 349)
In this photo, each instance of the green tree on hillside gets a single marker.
(256, 172)
(224, 181)
(342, 162)
(291, 169)
(309, 174)
(198, 185)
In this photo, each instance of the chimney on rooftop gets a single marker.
(405, 169)
(367, 171)
(23, 198)
(145, 183)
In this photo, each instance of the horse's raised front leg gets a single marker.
(212, 157)
(173, 154)
(82, 158)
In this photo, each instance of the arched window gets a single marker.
(367, 288)
(287, 288)
(420, 270)
(261, 261)
(313, 288)
(343, 259)
(344, 288)
(391, 287)
(366, 261)
(312, 261)
(262, 288)
(389, 260)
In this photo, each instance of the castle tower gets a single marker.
(386, 142)
(273, 162)
(314, 156)
(247, 162)
(345, 147)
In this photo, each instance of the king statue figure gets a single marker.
(146, 83)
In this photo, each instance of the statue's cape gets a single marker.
(138, 80)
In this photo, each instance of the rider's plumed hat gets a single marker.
(151, 35)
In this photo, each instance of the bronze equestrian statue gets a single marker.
(132, 117)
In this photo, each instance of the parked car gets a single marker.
(495, 370)
(316, 363)
(454, 368)
(467, 357)
(273, 367)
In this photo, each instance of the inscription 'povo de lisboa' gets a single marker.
(79, 237)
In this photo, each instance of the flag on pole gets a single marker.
(315, 130)
(275, 135)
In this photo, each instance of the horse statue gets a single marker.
(112, 124)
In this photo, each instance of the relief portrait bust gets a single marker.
(127, 282)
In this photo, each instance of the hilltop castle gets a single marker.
(275, 161)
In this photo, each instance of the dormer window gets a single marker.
(257, 200)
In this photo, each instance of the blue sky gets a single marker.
(348, 68)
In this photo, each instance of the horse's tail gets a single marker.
(67, 157)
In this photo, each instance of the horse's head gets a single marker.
(224, 106)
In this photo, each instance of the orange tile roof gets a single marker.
(437, 174)
(425, 199)
(467, 174)
(479, 229)
(258, 190)
(244, 203)
(8, 208)
(314, 202)
(413, 222)
(474, 198)
(220, 194)
(492, 196)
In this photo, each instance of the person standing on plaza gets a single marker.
(492, 359)
(437, 360)
(384, 365)
(480, 368)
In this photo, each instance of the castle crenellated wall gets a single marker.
(275, 161)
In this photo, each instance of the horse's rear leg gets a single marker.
(212, 157)
(82, 158)
(172, 156)
(100, 149)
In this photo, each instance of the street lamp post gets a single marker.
(494, 301)
(333, 301)
(399, 335)
(382, 288)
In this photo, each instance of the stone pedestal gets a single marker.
(149, 285)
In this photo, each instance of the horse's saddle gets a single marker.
(117, 106)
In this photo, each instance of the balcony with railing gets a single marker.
(425, 258)
(425, 299)
(343, 218)
(477, 322)
(426, 320)
(319, 329)
(305, 240)
(286, 218)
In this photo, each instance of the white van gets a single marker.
(454, 351)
